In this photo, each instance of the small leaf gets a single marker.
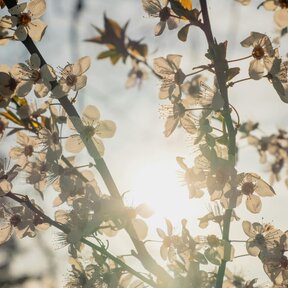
(12, 117)
(106, 54)
(232, 72)
(183, 33)
(212, 256)
(199, 257)
(13, 131)
(187, 4)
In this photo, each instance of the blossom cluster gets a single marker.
(47, 158)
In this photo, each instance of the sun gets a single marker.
(160, 186)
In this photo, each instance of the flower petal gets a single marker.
(5, 187)
(35, 61)
(144, 210)
(152, 7)
(23, 88)
(106, 129)
(248, 229)
(91, 114)
(252, 249)
(253, 203)
(41, 90)
(74, 144)
(174, 60)
(161, 233)
(159, 28)
(37, 29)
(36, 7)
(16, 10)
(256, 69)
(264, 189)
(81, 82)
(5, 233)
(170, 125)
(81, 66)
(281, 17)
(172, 23)
(21, 33)
(188, 124)
(141, 228)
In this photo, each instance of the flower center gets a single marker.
(179, 77)
(24, 19)
(43, 167)
(260, 240)
(15, 220)
(164, 14)
(247, 188)
(35, 76)
(28, 150)
(258, 52)
(167, 241)
(71, 80)
(89, 131)
(178, 110)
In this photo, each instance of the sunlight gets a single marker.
(160, 186)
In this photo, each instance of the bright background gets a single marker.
(141, 160)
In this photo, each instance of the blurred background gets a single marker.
(141, 160)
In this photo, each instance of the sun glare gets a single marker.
(160, 186)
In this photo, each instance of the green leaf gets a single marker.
(107, 54)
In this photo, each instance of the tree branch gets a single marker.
(144, 256)
(220, 63)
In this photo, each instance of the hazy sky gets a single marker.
(139, 149)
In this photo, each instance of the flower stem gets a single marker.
(239, 256)
(239, 59)
(231, 84)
